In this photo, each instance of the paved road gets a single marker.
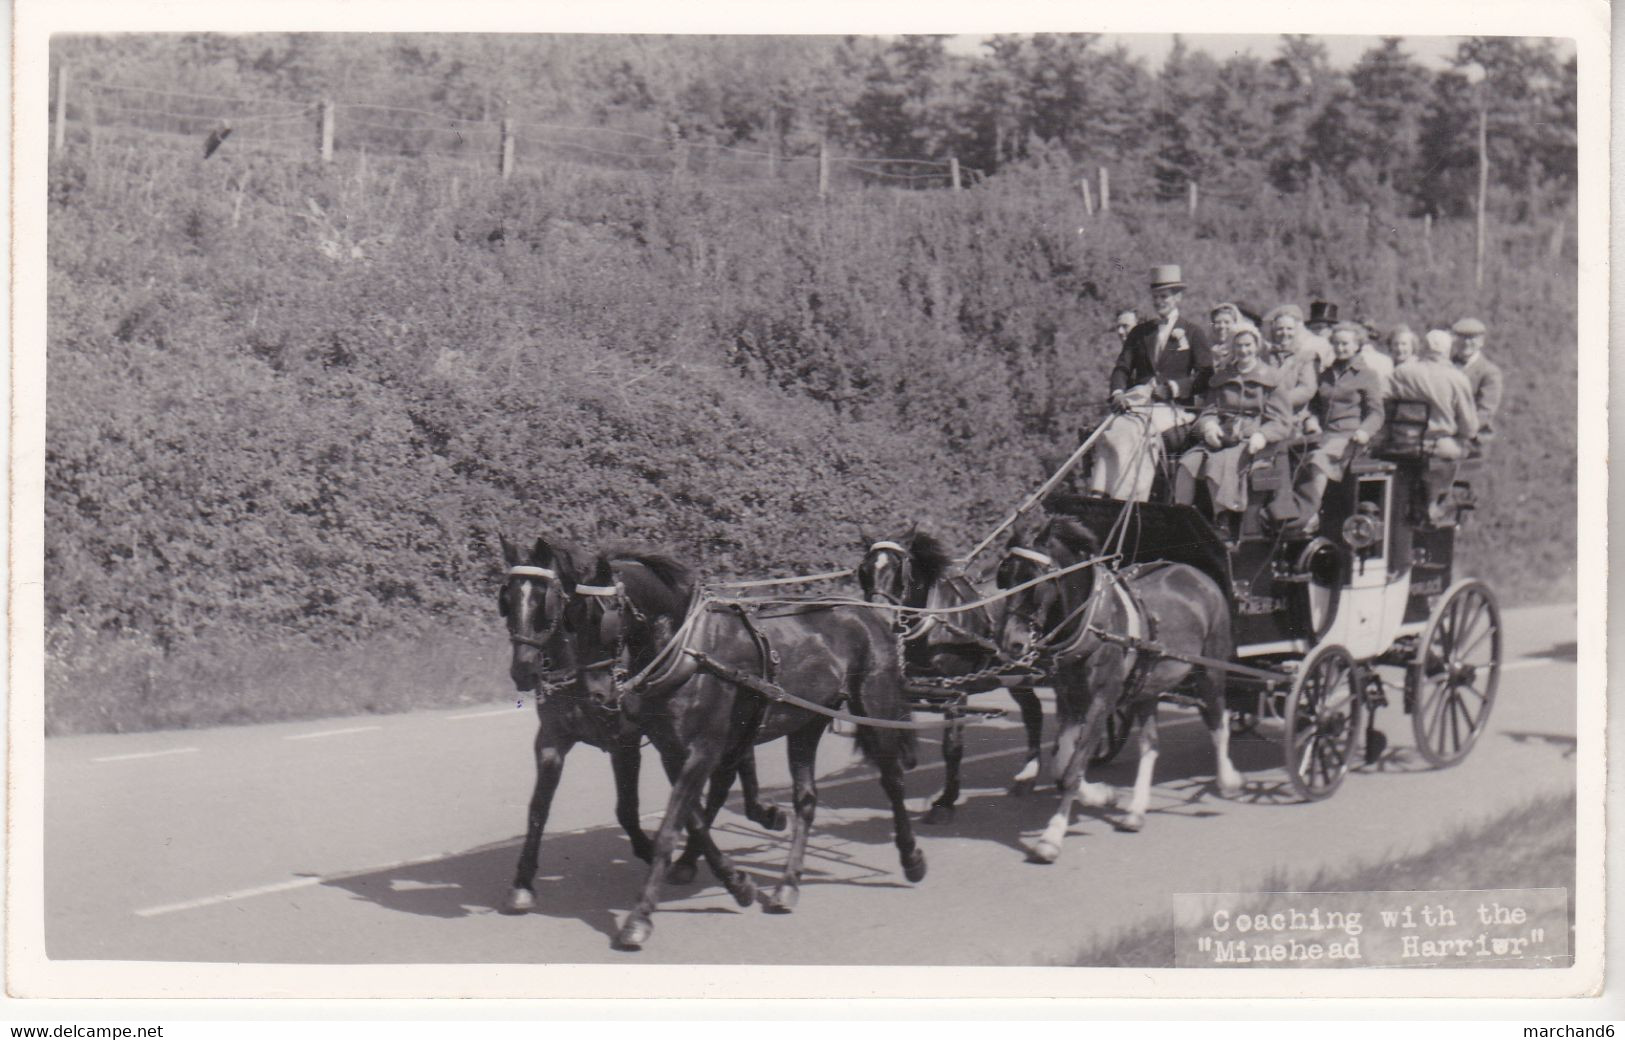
(392, 839)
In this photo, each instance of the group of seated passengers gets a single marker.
(1219, 418)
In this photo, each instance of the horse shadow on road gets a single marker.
(588, 875)
(583, 876)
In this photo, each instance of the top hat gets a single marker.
(1166, 276)
(1322, 313)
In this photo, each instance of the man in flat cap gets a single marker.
(1165, 363)
(1483, 375)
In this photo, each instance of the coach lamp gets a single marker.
(1363, 532)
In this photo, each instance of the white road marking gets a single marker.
(241, 893)
(305, 882)
(146, 754)
(331, 733)
(482, 714)
(285, 886)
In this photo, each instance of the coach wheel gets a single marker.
(1118, 726)
(1455, 674)
(1323, 714)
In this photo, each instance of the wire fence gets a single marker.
(85, 111)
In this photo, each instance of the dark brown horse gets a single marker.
(1075, 617)
(691, 676)
(532, 601)
(913, 570)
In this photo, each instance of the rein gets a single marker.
(780, 695)
(961, 608)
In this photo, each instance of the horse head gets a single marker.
(622, 615)
(902, 570)
(532, 602)
(1036, 612)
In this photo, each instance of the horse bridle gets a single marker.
(1087, 608)
(550, 577)
(618, 663)
(904, 569)
(1046, 565)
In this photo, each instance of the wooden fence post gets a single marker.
(61, 129)
(505, 163)
(1483, 191)
(1105, 191)
(953, 171)
(1191, 191)
(823, 167)
(1088, 197)
(325, 142)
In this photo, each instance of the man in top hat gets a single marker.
(1483, 375)
(1166, 355)
(1322, 317)
(1165, 363)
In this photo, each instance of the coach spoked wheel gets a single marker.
(1119, 724)
(1453, 680)
(1323, 715)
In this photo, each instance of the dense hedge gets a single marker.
(289, 406)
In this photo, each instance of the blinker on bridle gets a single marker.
(890, 546)
(1047, 562)
(525, 570)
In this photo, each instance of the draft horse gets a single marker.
(532, 600)
(913, 570)
(1081, 619)
(699, 679)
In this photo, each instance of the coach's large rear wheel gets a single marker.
(1323, 714)
(1453, 680)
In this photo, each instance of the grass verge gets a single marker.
(1478, 856)
(246, 681)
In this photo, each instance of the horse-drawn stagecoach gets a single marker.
(1115, 605)
(1330, 627)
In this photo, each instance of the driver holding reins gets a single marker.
(1164, 365)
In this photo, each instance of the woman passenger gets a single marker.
(1244, 408)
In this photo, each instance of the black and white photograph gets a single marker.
(630, 499)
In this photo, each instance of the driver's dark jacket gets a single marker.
(1186, 365)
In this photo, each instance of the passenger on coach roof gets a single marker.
(1245, 408)
(1483, 375)
(1322, 317)
(1126, 320)
(1452, 417)
(1402, 348)
(1293, 351)
(1223, 318)
(1380, 364)
(1348, 407)
(1164, 365)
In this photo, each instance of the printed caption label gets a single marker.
(1496, 928)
